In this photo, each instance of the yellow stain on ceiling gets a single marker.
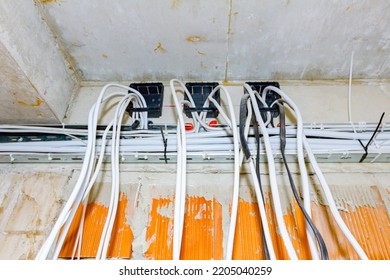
(37, 103)
(195, 39)
(200, 52)
(46, 1)
(104, 55)
(175, 4)
(160, 48)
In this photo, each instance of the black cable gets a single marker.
(257, 138)
(257, 167)
(135, 124)
(372, 138)
(165, 141)
(245, 148)
(243, 116)
(320, 240)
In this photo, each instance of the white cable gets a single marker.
(177, 230)
(79, 239)
(262, 211)
(324, 184)
(112, 210)
(236, 175)
(259, 194)
(47, 245)
(302, 168)
(233, 126)
(181, 175)
(332, 204)
(272, 174)
(265, 105)
(92, 124)
(74, 200)
(350, 90)
(91, 162)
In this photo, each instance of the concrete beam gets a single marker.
(37, 82)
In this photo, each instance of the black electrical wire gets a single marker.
(257, 167)
(372, 138)
(257, 138)
(320, 240)
(245, 148)
(243, 116)
(165, 142)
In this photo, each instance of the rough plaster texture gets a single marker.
(31, 196)
(36, 56)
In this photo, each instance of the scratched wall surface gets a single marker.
(223, 39)
(31, 197)
(30, 200)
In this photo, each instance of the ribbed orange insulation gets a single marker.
(95, 216)
(203, 235)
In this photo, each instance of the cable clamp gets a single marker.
(362, 127)
(199, 109)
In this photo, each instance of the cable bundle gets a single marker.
(89, 172)
(301, 142)
(253, 135)
(200, 122)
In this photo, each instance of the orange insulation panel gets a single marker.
(202, 234)
(203, 231)
(95, 217)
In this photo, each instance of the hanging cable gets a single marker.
(372, 138)
(273, 182)
(63, 222)
(303, 172)
(181, 189)
(266, 239)
(324, 184)
(317, 234)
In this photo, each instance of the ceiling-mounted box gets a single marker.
(271, 95)
(199, 93)
(154, 96)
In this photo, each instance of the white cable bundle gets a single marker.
(272, 174)
(217, 140)
(257, 188)
(200, 121)
(52, 247)
(317, 169)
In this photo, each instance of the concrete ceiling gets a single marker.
(49, 46)
(222, 39)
